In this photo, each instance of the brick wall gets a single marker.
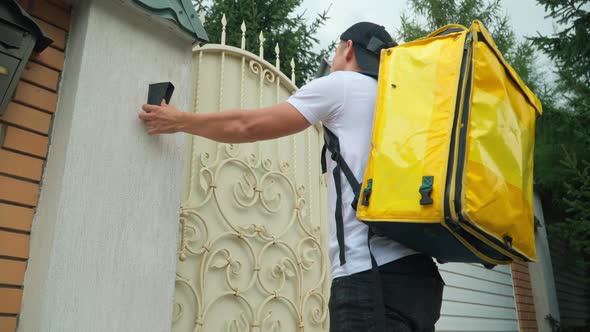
(524, 297)
(24, 131)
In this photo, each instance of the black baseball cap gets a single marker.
(368, 40)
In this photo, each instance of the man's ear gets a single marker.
(349, 52)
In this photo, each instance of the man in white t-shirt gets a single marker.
(344, 101)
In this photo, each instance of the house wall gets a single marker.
(572, 285)
(103, 246)
(524, 297)
(25, 128)
(476, 299)
(534, 284)
(541, 275)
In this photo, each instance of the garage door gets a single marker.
(477, 299)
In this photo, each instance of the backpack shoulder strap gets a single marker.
(377, 288)
(332, 144)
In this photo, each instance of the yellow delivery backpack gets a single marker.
(450, 170)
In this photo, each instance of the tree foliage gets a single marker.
(429, 15)
(564, 130)
(279, 24)
(569, 48)
(574, 230)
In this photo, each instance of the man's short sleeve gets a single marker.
(320, 99)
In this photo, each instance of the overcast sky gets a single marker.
(526, 16)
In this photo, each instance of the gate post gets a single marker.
(103, 248)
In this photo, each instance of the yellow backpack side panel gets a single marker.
(497, 180)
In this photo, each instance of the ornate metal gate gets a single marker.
(253, 226)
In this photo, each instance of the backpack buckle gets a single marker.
(426, 189)
(367, 192)
(507, 241)
(335, 156)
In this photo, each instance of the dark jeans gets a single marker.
(412, 291)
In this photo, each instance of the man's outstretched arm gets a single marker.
(231, 126)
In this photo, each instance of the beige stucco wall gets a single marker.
(105, 233)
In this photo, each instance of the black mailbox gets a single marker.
(19, 36)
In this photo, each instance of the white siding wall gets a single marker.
(477, 299)
(573, 292)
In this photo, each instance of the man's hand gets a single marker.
(163, 119)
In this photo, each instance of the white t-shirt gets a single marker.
(344, 102)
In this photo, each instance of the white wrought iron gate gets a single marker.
(253, 229)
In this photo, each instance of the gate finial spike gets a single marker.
(223, 25)
(261, 38)
(293, 70)
(243, 28)
(277, 52)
